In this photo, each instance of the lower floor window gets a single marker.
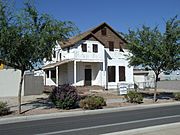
(47, 73)
(122, 73)
(111, 73)
(51, 72)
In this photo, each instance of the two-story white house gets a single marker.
(95, 57)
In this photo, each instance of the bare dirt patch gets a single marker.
(33, 105)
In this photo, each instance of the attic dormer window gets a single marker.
(111, 46)
(121, 50)
(103, 31)
(68, 49)
(84, 47)
(120, 46)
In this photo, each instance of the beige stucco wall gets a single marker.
(9, 82)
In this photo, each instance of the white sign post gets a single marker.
(123, 88)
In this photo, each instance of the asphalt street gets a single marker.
(95, 124)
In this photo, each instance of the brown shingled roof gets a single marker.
(75, 39)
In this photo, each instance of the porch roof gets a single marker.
(52, 65)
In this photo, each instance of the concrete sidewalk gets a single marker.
(167, 129)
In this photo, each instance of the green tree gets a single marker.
(28, 37)
(155, 50)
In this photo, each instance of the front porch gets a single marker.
(77, 73)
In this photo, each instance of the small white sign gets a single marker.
(123, 88)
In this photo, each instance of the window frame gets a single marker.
(104, 31)
(120, 47)
(111, 46)
(111, 73)
(122, 73)
(68, 49)
(47, 73)
(84, 49)
(54, 54)
(95, 48)
(60, 55)
(53, 73)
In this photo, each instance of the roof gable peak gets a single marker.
(91, 32)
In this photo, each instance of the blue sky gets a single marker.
(120, 14)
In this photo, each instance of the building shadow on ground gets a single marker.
(43, 103)
(160, 95)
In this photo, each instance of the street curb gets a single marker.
(145, 130)
(80, 113)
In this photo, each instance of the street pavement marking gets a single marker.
(108, 125)
(165, 129)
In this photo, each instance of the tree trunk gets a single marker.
(155, 91)
(20, 91)
(155, 88)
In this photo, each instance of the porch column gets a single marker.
(104, 76)
(45, 76)
(117, 74)
(74, 73)
(49, 73)
(57, 75)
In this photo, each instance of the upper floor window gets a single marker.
(60, 55)
(84, 47)
(103, 31)
(54, 54)
(95, 48)
(111, 46)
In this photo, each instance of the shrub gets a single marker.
(4, 110)
(64, 97)
(177, 96)
(92, 102)
(134, 97)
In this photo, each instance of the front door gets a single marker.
(87, 81)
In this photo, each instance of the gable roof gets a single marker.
(115, 32)
(89, 33)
